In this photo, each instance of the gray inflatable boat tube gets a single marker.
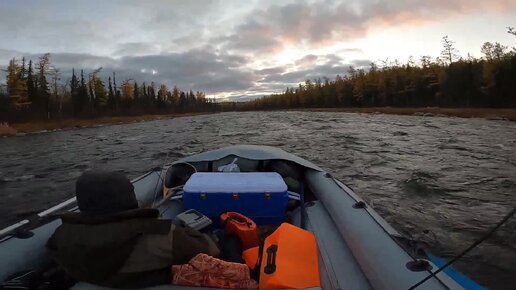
(382, 260)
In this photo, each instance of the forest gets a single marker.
(446, 81)
(33, 90)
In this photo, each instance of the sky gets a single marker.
(240, 49)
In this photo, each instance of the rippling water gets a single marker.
(453, 177)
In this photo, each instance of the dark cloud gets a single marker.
(137, 48)
(249, 41)
(333, 59)
(361, 62)
(307, 60)
(188, 40)
(101, 27)
(60, 26)
(294, 23)
(328, 70)
(272, 70)
(67, 61)
(197, 69)
(232, 60)
(329, 60)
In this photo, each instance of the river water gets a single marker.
(453, 177)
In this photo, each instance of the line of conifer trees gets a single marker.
(34, 91)
(447, 81)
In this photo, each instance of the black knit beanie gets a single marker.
(103, 192)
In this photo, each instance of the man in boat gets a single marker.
(113, 242)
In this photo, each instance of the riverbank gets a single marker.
(487, 113)
(38, 126)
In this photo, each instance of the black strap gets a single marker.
(270, 267)
(255, 272)
(261, 165)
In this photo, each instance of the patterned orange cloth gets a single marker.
(207, 271)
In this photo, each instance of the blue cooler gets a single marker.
(261, 196)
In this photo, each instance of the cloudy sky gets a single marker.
(243, 48)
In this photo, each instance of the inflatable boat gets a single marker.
(356, 248)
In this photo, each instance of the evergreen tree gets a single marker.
(100, 94)
(74, 93)
(91, 93)
(182, 101)
(12, 78)
(127, 93)
(151, 95)
(43, 90)
(152, 92)
(83, 94)
(22, 74)
(31, 86)
(111, 101)
(55, 75)
(162, 96)
(145, 98)
(136, 93)
(174, 98)
(16, 85)
(94, 88)
(118, 98)
(191, 100)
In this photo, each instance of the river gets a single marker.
(453, 177)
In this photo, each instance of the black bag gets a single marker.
(230, 246)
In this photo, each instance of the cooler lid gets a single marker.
(242, 182)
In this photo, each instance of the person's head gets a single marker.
(104, 193)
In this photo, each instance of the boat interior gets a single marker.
(319, 203)
(337, 266)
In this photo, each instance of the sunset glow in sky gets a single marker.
(241, 49)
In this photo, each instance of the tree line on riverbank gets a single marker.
(33, 91)
(446, 81)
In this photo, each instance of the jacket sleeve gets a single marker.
(152, 252)
(188, 243)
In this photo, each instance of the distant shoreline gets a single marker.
(486, 113)
(14, 129)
